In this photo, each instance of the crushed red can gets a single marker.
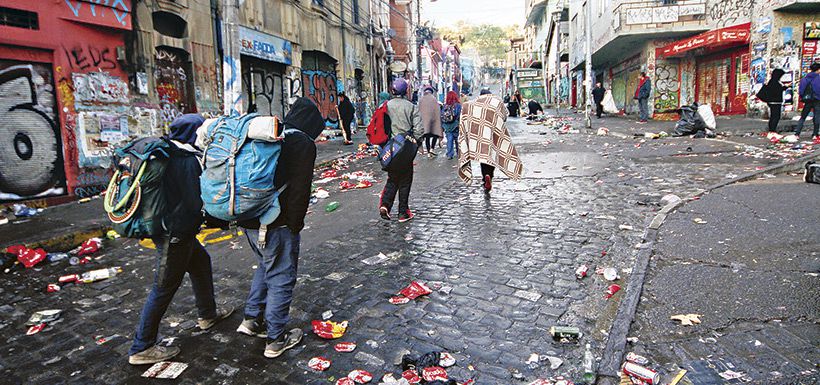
(345, 381)
(411, 376)
(69, 278)
(581, 271)
(434, 373)
(35, 329)
(415, 289)
(89, 247)
(642, 373)
(52, 287)
(611, 290)
(319, 364)
(31, 257)
(360, 376)
(345, 347)
(399, 300)
(637, 359)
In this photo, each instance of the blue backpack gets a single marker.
(398, 153)
(237, 174)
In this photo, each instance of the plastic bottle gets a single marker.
(589, 364)
(100, 274)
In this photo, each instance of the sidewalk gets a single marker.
(63, 227)
(750, 271)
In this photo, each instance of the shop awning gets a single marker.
(728, 36)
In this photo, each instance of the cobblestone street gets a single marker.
(501, 266)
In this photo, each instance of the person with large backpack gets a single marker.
(267, 308)
(449, 122)
(810, 96)
(405, 121)
(175, 238)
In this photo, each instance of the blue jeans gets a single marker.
(643, 105)
(175, 258)
(274, 278)
(452, 143)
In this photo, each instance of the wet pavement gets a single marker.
(501, 266)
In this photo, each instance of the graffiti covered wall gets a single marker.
(320, 87)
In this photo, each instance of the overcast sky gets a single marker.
(448, 12)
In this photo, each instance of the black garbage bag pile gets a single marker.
(691, 123)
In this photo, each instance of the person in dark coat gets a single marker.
(534, 107)
(642, 94)
(772, 94)
(179, 252)
(598, 97)
(267, 309)
(512, 105)
(346, 115)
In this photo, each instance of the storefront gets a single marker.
(721, 66)
(264, 63)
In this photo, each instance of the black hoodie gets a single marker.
(772, 92)
(303, 124)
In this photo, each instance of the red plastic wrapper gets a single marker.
(329, 174)
(85, 260)
(319, 364)
(611, 290)
(69, 278)
(329, 329)
(30, 257)
(360, 376)
(16, 249)
(345, 347)
(446, 360)
(52, 287)
(345, 185)
(411, 376)
(345, 381)
(434, 373)
(89, 247)
(399, 300)
(35, 329)
(415, 289)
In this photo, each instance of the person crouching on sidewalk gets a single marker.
(179, 250)
(268, 306)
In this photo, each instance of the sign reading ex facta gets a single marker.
(264, 46)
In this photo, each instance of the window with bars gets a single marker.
(355, 11)
(19, 18)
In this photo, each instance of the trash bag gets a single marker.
(812, 174)
(426, 360)
(609, 103)
(705, 112)
(690, 121)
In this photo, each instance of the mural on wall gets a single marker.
(727, 13)
(171, 74)
(320, 87)
(667, 86)
(31, 161)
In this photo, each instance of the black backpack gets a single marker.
(808, 94)
(812, 174)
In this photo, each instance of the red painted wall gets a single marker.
(74, 36)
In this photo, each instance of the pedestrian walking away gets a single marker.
(772, 94)
(346, 115)
(483, 137)
(642, 94)
(430, 114)
(268, 306)
(534, 107)
(178, 250)
(450, 116)
(810, 96)
(598, 97)
(404, 120)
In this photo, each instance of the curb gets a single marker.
(610, 364)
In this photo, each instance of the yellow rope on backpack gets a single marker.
(110, 194)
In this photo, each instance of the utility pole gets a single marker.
(231, 65)
(419, 41)
(344, 45)
(588, 33)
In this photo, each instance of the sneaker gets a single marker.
(432, 153)
(286, 341)
(205, 324)
(406, 216)
(153, 355)
(253, 328)
(488, 183)
(385, 213)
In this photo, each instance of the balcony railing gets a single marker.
(631, 16)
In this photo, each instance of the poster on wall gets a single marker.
(812, 30)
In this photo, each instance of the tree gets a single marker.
(491, 41)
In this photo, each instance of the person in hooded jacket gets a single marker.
(772, 94)
(267, 308)
(809, 88)
(179, 252)
(346, 115)
(404, 119)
